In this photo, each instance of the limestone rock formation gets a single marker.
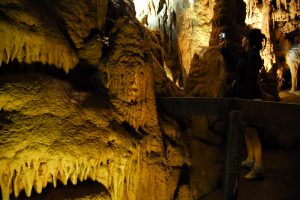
(185, 25)
(211, 74)
(78, 88)
(206, 77)
(79, 82)
(45, 144)
(51, 131)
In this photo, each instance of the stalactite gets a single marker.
(36, 174)
(29, 49)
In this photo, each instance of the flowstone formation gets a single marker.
(78, 88)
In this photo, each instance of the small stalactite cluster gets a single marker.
(29, 48)
(63, 142)
(119, 175)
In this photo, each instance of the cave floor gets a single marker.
(281, 181)
(286, 96)
(282, 170)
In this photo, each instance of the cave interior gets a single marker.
(80, 83)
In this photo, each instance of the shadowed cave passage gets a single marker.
(83, 76)
(83, 190)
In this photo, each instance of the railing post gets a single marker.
(234, 139)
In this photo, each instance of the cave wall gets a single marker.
(101, 121)
(78, 103)
(198, 24)
(185, 27)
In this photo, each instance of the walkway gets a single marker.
(282, 177)
(282, 171)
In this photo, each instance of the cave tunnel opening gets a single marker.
(83, 77)
(82, 190)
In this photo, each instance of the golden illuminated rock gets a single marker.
(19, 40)
(207, 75)
(185, 25)
(100, 121)
(55, 133)
(51, 134)
(79, 83)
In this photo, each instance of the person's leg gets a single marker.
(257, 170)
(256, 147)
(249, 145)
(249, 162)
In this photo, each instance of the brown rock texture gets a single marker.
(94, 120)
(79, 84)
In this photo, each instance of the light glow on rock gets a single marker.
(258, 17)
(191, 30)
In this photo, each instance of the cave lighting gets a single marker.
(145, 9)
(140, 6)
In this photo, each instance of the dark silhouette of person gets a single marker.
(249, 66)
(248, 86)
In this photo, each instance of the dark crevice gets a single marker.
(4, 119)
(83, 77)
(125, 129)
(136, 134)
(86, 77)
(161, 6)
(94, 32)
(184, 179)
(166, 139)
(14, 67)
(4, 17)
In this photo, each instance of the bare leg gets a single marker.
(256, 145)
(249, 146)
(255, 148)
